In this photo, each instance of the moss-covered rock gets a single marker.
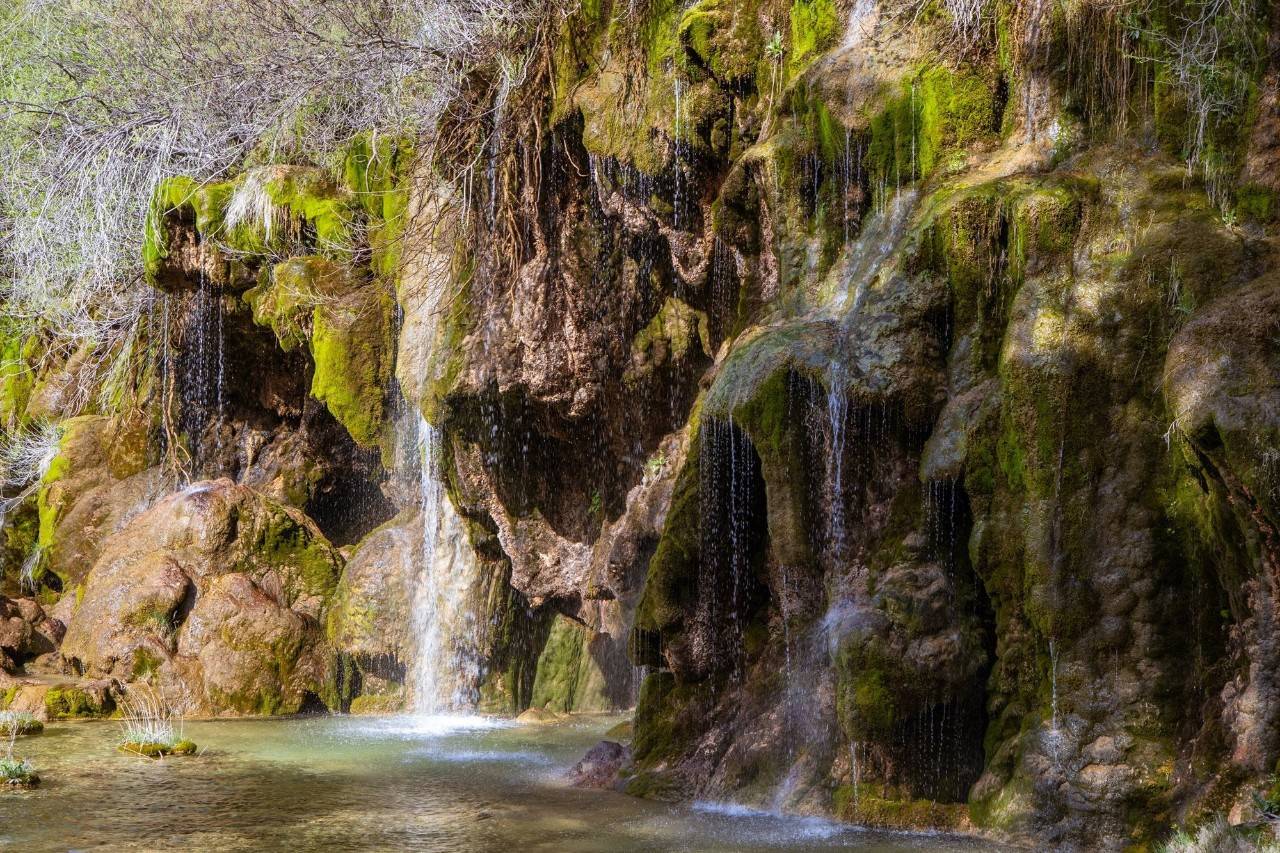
(159, 750)
(219, 594)
(567, 677)
(72, 701)
(352, 350)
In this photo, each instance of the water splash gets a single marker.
(727, 475)
(837, 417)
(1055, 733)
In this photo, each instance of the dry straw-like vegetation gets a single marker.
(101, 101)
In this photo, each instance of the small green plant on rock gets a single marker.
(775, 48)
(14, 723)
(150, 728)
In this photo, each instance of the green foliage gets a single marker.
(815, 25)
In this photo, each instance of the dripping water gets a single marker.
(1055, 735)
(837, 416)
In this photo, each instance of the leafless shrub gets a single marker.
(1208, 53)
(25, 457)
(99, 102)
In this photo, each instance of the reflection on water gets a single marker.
(393, 783)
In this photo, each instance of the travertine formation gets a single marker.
(891, 414)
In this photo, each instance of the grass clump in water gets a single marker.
(150, 728)
(16, 772)
(13, 723)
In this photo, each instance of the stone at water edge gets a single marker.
(599, 768)
(624, 730)
(537, 716)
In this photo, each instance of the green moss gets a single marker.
(567, 678)
(378, 704)
(179, 198)
(352, 350)
(1256, 202)
(665, 720)
(172, 196)
(930, 126)
(722, 37)
(815, 27)
(159, 750)
(285, 298)
(283, 541)
(18, 350)
(145, 664)
(670, 337)
(377, 168)
(874, 805)
(873, 692)
(671, 581)
(66, 701)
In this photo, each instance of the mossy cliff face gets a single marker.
(897, 394)
(931, 485)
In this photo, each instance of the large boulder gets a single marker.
(371, 613)
(218, 593)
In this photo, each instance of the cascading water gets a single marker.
(837, 415)
(446, 670)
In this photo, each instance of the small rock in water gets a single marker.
(599, 767)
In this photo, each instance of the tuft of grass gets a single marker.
(1219, 836)
(13, 723)
(14, 771)
(150, 727)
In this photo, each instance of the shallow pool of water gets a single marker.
(393, 783)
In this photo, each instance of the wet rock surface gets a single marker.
(601, 766)
(221, 594)
(893, 422)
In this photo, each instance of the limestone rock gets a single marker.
(600, 767)
(219, 594)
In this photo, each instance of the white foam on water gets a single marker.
(432, 725)
(770, 826)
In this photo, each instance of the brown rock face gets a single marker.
(26, 632)
(218, 593)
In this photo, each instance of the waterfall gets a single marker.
(862, 20)
(446, 670)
